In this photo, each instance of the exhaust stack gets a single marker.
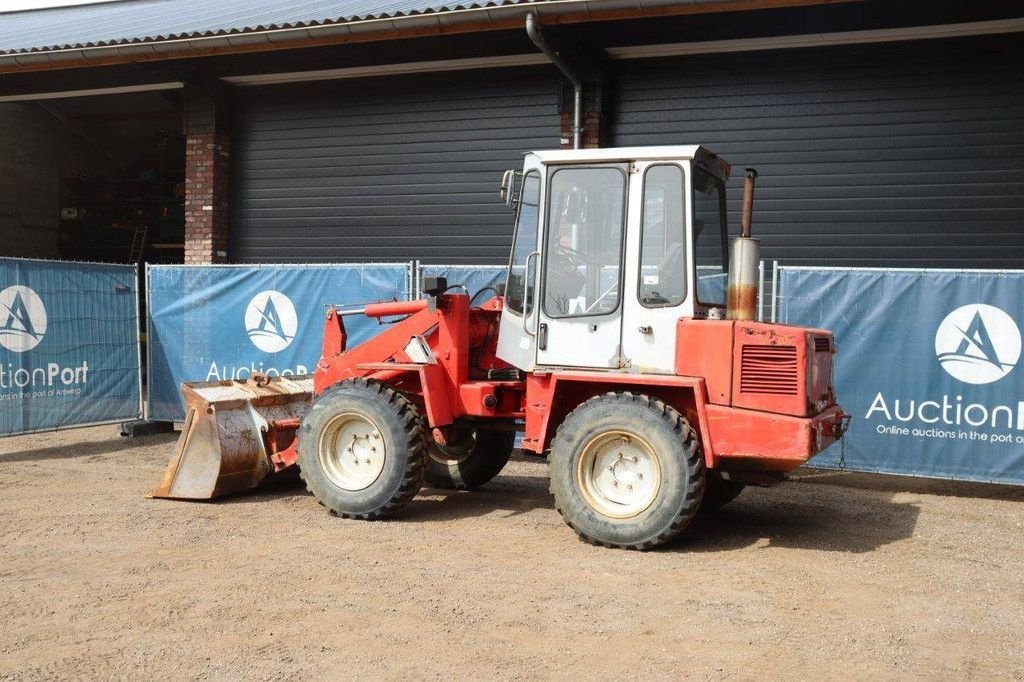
(744, 255)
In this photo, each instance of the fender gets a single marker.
(551, 396)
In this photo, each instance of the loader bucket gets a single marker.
(224, 445)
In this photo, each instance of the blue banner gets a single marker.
(478, 279)
(927, 365)
(69, 345)
(711, 284)
(218, 323)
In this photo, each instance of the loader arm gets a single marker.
(427, 355)
(238, 432)
(338, 363)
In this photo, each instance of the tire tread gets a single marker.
(695, 464)
(412, 424)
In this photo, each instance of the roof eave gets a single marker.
(414, 25)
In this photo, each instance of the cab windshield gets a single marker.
(710, 238)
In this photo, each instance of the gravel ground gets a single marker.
(828, 575)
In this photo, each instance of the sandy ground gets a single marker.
(826, 576)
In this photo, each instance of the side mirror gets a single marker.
(511, 187)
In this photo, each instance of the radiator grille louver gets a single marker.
(769, 369)
(822, 344)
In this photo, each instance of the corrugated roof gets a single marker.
(144, 21)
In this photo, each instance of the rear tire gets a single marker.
(719, 492)
(627, 471)
(472, 459)
(362, 451)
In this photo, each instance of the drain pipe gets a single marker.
(533, 30)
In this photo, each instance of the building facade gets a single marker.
(886, 133)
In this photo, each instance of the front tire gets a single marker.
(362, 451)
(472, 459)
(627, 471)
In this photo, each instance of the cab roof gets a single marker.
(700, 155)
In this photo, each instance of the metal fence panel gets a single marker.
(215, 323)
(926, 364)
(69, 345)
(476, 278)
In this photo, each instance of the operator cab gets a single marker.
(611, 248)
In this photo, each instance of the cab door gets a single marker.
(517, 339)
(580, 307)
(658, 256)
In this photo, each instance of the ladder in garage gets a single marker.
(138, 244)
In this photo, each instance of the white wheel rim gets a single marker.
(619, 474)
(352, 451)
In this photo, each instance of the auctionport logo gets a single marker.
(270, 321)
(22, 319)
(978, 344)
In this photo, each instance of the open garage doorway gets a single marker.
(96, 178)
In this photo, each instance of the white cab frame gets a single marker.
(614, 342)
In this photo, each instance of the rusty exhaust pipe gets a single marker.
(750, 176)
(744, 256)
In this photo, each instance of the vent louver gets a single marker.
(769, 369)
(822, 344)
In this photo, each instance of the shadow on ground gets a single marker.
(783, 517)
(87, 449)
(511, 495)
(507, 495)
(797, 514)
(833, 512)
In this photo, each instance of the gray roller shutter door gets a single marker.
(892, 155)
(384, 169)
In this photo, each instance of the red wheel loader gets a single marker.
(623, 346)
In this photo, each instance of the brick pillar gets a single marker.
(565, 129)
(594, 129)
(207, 147)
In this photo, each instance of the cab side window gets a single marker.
(662, 238)
(519, 289)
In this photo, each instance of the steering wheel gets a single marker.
(575, 256)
